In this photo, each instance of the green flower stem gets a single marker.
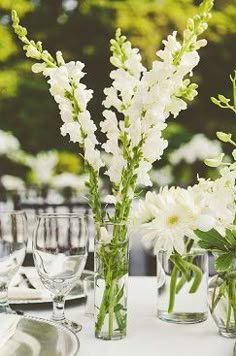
(173, 281)
(111, 307)
(197, 277)
(112, 264)
(184, 267)
(102, 311)
(181, 283)
(228, 313)
(231, 304)
(216, 299)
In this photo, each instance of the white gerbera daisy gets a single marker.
(172, 213)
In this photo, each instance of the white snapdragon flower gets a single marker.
(39, 67)
(188, 61)
(83, 96)
(217, 200)
(115, 169)
(198, 148)
(88, 125)
(176, 105)
(58, 80)
(92, 155)
(73, 129)
(32, 52)
(105, 238)
(154, 145)
(143, 177)
(110, 127)
(171, 45)
(74, 70)
(112, 99)
(133, 62)
(124, 83)
(65, 107)
(129, 58)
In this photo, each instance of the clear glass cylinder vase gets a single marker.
(182, 287)
(111, 281)
(222, 302)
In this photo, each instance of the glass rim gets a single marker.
(60, 215)
(13, 212)
(196, 251)
(108, 222)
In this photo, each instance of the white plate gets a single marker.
(76, 293)
(21, 336)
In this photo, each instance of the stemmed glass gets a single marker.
(60, 250)
(13, 242)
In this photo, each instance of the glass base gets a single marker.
(182, 318)
(72, 325)
(114, 336)
(229, 334)
(6, 309)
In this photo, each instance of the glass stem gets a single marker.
(4, 305)
(58, 308)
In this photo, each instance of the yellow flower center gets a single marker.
(173, 219)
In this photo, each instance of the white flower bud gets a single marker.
(38, 67)
(234, 154)
(32, 52)
(214, 162)
(224, 137)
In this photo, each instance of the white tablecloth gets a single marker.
(147, 336)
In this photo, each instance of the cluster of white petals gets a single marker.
(198, 148)
(166, 218)
(145, 99)
(72, 98)
(42, 166)
(162, 176)
(12, 183)
(8, 143)
(75, 182)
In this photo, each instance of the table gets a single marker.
(147, 335)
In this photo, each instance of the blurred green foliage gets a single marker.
(82, 30)
(68, 162)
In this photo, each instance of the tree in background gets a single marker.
(82, 29)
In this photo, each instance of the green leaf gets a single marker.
(213, 239)
(224, 262)
(231, 237)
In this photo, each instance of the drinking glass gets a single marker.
(13, 241)
(60, 250)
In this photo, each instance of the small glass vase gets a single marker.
(222, 302)
(111, 281)
(182, 287)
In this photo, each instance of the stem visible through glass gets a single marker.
(58, 308)
(4, 305)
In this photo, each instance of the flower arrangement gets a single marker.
(177, 219)
(222, 243)
(136, 107)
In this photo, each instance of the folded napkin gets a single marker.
(26, 285)
(21, 293)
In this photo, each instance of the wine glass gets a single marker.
(13, 242)
(60, 250)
